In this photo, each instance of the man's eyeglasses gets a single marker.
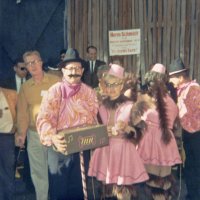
(23, 68)
(73, 68)
(28, 64)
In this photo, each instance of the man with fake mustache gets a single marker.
(69, 103)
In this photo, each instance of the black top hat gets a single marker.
(176, 67)
(71, 55)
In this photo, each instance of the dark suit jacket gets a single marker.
(89, 78)
(10, 82)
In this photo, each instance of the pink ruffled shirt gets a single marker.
(65, 107)
(189, 106)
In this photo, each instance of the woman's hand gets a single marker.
(111, 131)
(121, 125)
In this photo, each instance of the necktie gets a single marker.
(21, 81)
(91, 67)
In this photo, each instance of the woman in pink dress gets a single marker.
(157, 148)
(118, 165)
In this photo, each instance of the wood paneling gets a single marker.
(169, 28)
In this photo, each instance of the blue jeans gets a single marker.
(65, 176)
(7, 166)
(56, 161)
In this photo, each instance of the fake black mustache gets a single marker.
(74, 75)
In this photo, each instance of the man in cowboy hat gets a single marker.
(69, 103)
(188, 93)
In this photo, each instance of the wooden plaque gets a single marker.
(84, 138)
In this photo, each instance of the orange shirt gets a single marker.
(29, 100)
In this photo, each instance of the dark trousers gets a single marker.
(191, 143)
(7, 166)
(65, 181)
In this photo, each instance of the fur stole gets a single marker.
(143, 103)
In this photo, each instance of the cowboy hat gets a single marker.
(71, 55)
(176, 67)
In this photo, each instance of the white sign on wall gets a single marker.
(124, 42)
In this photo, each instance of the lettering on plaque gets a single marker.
(86, 141)
(70, 139)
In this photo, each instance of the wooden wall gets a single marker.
(169, 28)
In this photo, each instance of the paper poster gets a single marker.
(124, 42)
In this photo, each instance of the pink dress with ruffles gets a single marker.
(151, 148)
(119, 162)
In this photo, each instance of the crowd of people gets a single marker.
(141, 126)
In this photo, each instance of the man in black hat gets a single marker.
(69, 103)
(188, 93)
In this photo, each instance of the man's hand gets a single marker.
(19, 140)
(59, 143)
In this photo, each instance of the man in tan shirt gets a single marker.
(29, 100)
(8, 101)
